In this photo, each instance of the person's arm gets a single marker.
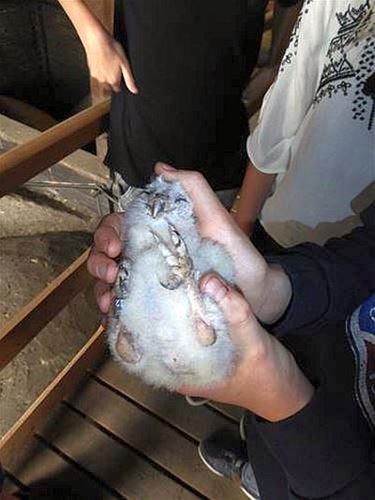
(328, 282)
(285, 15)
(325, 449)
(255, 188)
(105, 57)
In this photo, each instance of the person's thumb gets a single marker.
(235, 308)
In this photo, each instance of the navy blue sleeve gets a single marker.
(324, 449)
(328, 282)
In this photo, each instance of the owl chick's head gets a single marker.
(166, 199)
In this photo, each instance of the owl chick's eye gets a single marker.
(181, 200)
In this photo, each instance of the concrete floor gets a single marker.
(41, 233)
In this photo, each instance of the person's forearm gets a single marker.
(84, 21)
(283, 23)
(286, 390)
(255, 188)
(329, 282)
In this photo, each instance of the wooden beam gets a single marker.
(28, 322)
(65, 382)
(23, 162)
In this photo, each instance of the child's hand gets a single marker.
(108, 63)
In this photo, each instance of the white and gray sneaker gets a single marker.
(225, 454)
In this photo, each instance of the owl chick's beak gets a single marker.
(157, 206)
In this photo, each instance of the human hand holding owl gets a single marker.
(265, 378)
(267, 288)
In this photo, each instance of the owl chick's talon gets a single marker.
(172, 282)
(177, 259)
(122, 281)
(117, 307)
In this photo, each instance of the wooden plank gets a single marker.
(48, 475)
(109, 460)
(11, 487)
(23, 162)
(27, 323)
(163, 444)
(38, 412)
(198, 422)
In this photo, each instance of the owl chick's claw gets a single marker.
(178, 261)
(122, 281)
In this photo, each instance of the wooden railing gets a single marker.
(16, 167)
(23, 162)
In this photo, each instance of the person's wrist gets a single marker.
(280, 389)
(294, 389)
(93, 35)
(276, 296)
(243, 222)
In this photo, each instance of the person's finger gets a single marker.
(128, 77)
(102, 267)
(107, 236)
(235, 308)
(103, 296)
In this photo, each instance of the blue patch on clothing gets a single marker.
(367, 315)
(360, 330)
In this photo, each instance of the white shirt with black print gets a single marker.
(317, 124)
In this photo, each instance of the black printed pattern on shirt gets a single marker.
(340, 74)
(291, 51)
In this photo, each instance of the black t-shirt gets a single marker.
(191, 60)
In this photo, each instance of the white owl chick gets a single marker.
(161, 327)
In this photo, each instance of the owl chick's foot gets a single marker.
(181, 272)
(206, 333)
(177, 259)
(125, 346)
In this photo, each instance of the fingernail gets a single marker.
(102, 271)
(112, 249)
(166, 167)
(215, 288)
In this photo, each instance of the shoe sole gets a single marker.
(209, 466)
(242, 428)
(249, 495)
